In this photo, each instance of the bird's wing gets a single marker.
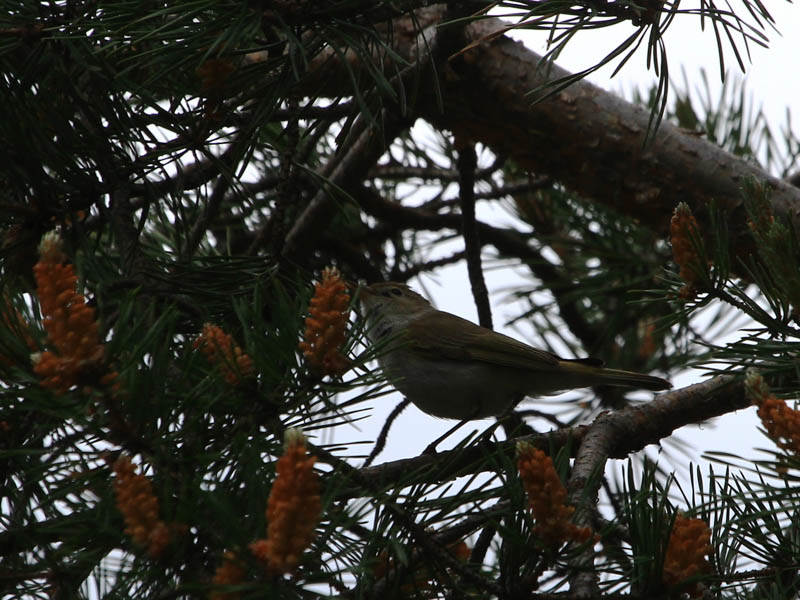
(448, 336)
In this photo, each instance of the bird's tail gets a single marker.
(647, 382)
(598, 375)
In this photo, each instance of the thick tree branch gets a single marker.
(584, 483)
(629, 430)
(590, 140)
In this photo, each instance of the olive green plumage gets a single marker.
(452, 368)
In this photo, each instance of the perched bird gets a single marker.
(454, 369)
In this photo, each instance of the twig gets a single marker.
(380, 443)
(287, 188)
(467, 163)
(515, 188)
(225, 168)
(430, 265)
(482, 544)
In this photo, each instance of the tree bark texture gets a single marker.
(590, 140)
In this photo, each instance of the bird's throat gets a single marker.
(384, 322)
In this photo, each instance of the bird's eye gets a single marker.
(397, 292)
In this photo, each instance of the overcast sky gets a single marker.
(771, 75)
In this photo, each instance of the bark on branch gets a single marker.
(589, 139)
(622, 432)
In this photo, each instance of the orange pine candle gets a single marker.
(220, 350)
(139, 507)
(72, 331)
(687, 552)
(547, 497)
(683, 233)
(781, 422)
(293, 508)
(326, 325)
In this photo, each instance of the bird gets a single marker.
(452, 368)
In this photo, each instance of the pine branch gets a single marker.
(619, 433)
(585, 125)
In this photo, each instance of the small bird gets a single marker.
(454, 369)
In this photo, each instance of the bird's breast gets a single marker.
(453, 389)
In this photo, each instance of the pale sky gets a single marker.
(771, 75)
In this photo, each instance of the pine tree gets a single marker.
(192, 193)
